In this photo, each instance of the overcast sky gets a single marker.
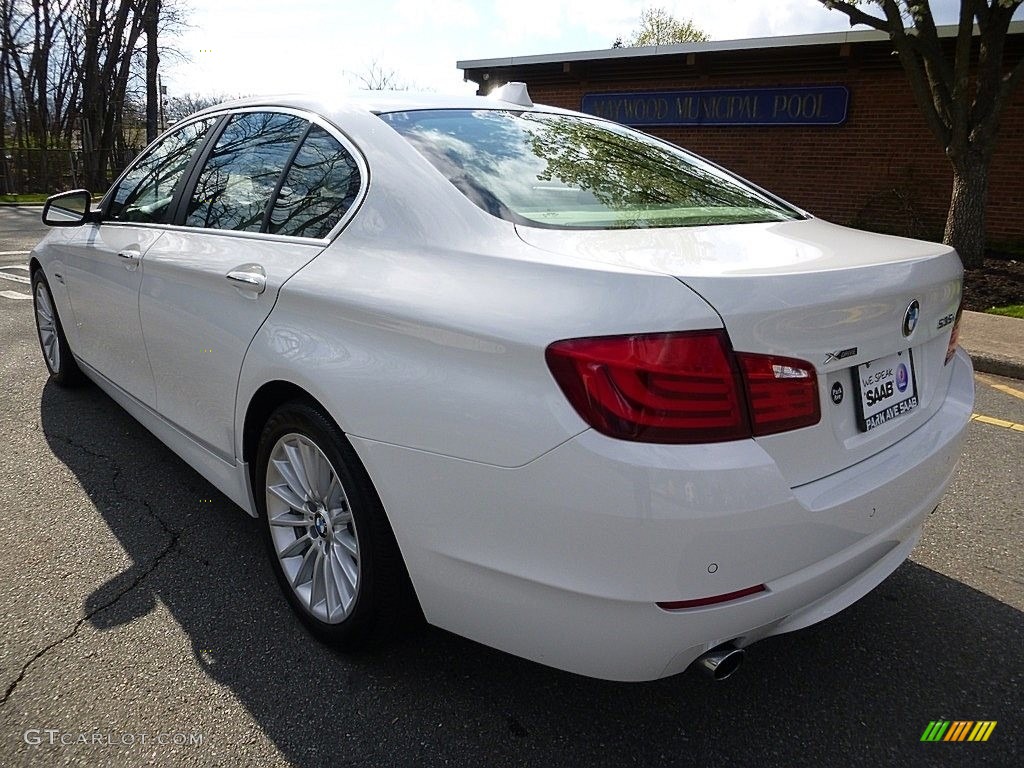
(258, 46)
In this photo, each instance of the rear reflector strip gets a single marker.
(679, 605)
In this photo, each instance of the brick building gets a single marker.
(826, 121)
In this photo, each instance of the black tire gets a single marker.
(384, 602)
(64, 371)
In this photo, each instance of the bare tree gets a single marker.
(29, 33)
(70, 72)
(962, 104)
(375, 77)
(180, 107)
(111, 37)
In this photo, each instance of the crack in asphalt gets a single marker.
(78, 624)
(1012, 577)
(174, 537)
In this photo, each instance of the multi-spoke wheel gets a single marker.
(312, 528)
(59, 360)
(330, 543)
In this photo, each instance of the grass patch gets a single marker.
(1011, 310)
(33, 197)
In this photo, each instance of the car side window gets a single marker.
(321, 185)
(145, 193)
(240, 175)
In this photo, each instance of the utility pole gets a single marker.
(163, 104)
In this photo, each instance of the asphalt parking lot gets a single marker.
(138, 604)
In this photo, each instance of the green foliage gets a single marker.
(962, 90)
(1011, 310)
(659, 27)
(644, 184)
(26, 198)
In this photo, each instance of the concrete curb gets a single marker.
(995, 343)
(985, 363)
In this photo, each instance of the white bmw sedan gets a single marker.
(564, 388)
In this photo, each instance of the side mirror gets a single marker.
(68, 209)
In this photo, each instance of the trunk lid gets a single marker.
(833, 296)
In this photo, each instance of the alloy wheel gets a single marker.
(46, 323)
(312, 528)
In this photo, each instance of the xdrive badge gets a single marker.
(842, 353)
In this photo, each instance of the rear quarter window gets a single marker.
(320, 186)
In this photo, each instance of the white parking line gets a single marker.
(15, 253)
(12, 278)
(22, 267)
(15, 295)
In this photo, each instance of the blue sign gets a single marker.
(813, 105)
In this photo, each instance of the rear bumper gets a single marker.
(562, 560)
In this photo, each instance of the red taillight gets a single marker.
(782, 392)
(656, 388)
(683, 387)
(954, 336)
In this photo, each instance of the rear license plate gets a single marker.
(888, 389)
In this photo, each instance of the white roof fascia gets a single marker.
(711, 46)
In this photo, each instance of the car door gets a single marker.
(264, 199)
(104, 261)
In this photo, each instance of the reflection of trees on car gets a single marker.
(322, 182)
(242, 178)
(241, 174)
(145, 193)
(628, 175)
(564, 171)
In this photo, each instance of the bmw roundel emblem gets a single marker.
(910, 318)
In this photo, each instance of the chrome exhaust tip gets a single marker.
(721, 662)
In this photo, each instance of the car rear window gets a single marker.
(563, 171)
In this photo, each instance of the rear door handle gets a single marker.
(131, 258)
(249, 277)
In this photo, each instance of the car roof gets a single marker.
(377, 102)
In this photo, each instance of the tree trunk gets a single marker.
(965, 223)
(4, 53)
(152, 62)
(90, 105)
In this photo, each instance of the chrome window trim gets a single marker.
(321, 241)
